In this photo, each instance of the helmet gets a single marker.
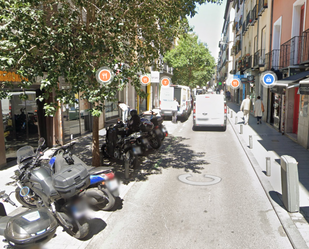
(133, 112)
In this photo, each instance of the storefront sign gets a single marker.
(11, 77)
(250, 78)
(155, 77)
(304, 89)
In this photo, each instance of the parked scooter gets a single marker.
(28, 229)
(103, 187)
(39, 186)
(157, 121)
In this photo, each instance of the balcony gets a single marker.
(238, 47)
(305, 47)
(247, 62)
(263, 4)
(272, 60)
(244, 28)
(290, 52)
(249, 19)
(259, 58)
(254, 14)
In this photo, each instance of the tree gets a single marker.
(192, 62)
(60, 40)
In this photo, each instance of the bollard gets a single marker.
(290, 183)
(268, 166)
(250, 142)
(228, 110)
(236, 122)
(241, 129)
(231, 114)
(126, 165)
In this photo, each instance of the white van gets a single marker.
(183, 96)
(209, 110)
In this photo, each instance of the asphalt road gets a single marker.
(160, 211)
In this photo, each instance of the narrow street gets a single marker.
(160, 211)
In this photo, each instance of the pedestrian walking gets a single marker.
(258, 110)
(175, 110)
(124, 108)
(245, 107)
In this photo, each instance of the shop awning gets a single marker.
(294, 78)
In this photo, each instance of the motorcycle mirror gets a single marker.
(2, 193)
(41, 141)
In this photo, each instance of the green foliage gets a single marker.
(62, 43)
(192, 62)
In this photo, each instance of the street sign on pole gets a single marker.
(104, 75)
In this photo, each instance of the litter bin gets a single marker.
(290, 183)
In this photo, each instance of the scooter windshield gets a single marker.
(24, 153)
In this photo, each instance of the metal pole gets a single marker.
(268, 166)
(228, 110)
(250, 142)
(241, 129)
(231, 114)
(236, 120)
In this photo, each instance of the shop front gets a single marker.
(277, 107)
(20, 121)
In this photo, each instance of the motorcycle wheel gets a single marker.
(103, 148)
(155, 142)
(78, 232)
(111, 201)
(23, 201)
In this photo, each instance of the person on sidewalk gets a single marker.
(258, 110)
(245, 107)
(175, 110)
(124, 108)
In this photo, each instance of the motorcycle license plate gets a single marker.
(79, 209)
(112, 184)
(158, 132)
(137, 150)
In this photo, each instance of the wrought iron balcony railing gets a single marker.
(254, 14)
(290, 52)
(305, 47)
(263, 4)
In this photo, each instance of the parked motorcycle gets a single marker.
(157, 121)
(103, 187)
(28, 229)
(39, 186)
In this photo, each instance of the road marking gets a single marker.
(215, 180)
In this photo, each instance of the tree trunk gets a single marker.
(95, 142)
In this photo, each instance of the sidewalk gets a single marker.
(268, 142)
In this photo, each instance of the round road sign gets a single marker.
(145, 79)
(165, 81)
(235, 83)
(104, 75)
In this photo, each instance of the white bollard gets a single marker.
(241, 129)
(250, 142)
(268, 166)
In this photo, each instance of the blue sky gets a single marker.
(208, 25)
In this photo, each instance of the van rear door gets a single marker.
(209, 110)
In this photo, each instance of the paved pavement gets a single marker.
(268, 142)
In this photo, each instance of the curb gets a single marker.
(288, 225)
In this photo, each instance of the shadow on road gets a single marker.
(95, 226)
